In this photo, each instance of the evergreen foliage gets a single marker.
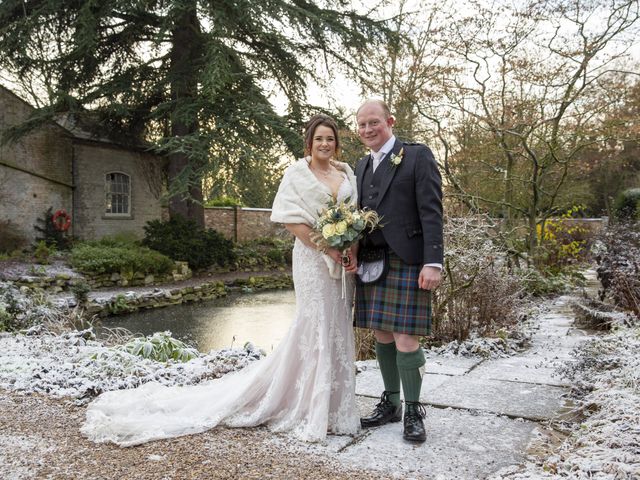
(192, 77)
(223, 201)
(627, 207)
(161, 347)
(49, 234)
(185, 240)
(123, 258)
(263, 253)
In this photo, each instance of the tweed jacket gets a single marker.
(409, 201)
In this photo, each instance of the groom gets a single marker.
(402, 183)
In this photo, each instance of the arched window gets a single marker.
(118, 194)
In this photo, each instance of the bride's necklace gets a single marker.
(324, 173)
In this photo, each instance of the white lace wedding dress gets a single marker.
(306, 386)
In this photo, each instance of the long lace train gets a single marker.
(306, 386)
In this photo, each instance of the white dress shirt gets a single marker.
(380, 154)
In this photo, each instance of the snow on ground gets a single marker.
(606, 443)
(74, 365)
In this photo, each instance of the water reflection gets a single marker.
(261, 318)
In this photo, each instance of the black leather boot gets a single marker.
(383, 413)
(413, 424)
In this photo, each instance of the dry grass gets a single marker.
(365, 344)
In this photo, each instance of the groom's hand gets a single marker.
(430, 278)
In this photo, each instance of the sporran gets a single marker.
(373, 264)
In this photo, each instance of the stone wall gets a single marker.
(243, 224)
(35, 171)
(65, 281)
(126, 302)
(93, 160)
(180, 272)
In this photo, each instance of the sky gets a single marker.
(343, 92)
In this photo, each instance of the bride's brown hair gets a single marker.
(311, 126)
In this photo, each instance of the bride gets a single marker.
(307, 385)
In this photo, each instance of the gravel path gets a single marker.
(40, 439)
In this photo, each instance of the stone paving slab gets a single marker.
(437, 364)
(369, 383)
(441, 365)
(557, 320)
(551, 331)
(557, 348)
(523, 368)
(460, 444)
(525, 400)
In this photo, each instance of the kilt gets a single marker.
(395, 304)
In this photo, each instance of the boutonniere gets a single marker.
(396, 159)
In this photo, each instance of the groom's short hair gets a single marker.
(385, 108)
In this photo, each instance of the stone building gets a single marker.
(106, 188)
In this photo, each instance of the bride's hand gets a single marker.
(335, 254)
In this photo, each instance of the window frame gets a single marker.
(107, 182)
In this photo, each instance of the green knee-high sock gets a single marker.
(409, 364)
(386, 354)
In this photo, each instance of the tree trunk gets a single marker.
(533, 210)
(508, 194)
(185, 61)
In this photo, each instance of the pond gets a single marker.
(260, 318)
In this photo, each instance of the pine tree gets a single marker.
(188, 76)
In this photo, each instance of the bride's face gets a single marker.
(323, 146)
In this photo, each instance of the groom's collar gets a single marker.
(388, 146)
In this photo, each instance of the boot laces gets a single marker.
(417, 409)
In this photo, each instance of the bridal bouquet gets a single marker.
(341, 224)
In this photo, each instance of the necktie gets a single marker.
(377, 158)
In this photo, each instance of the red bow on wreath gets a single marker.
(61, 220)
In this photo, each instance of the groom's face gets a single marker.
(374, 126)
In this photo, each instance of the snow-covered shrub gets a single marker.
(478, 293)
(31, 309)
(606, 445)
(540, 283)
(161, 347)
(595, 315)
(19, 311)
(74, 364)
(619, 266)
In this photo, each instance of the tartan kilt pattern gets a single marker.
(395, 304)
